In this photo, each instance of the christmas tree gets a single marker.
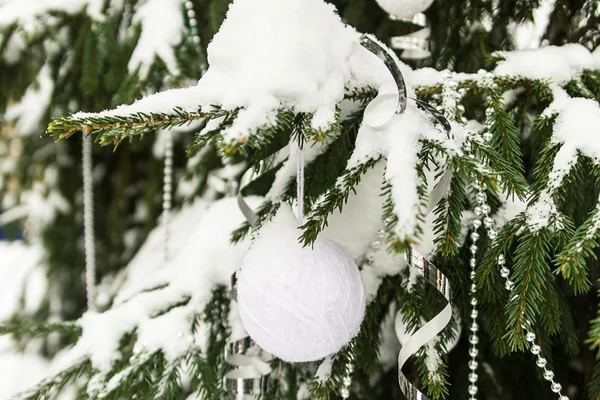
(212, 122)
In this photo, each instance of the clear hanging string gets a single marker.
(88, 222)
(300, 179)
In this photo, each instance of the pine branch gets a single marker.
(533, 289)
(33, 330)
(513, 180)
(114, 129)
(51, 386)
(572, 261)
(335, 199)
(449, 211)
(167, 386)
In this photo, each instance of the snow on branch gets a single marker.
(162, 29)
(25, 13)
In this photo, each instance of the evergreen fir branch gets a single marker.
(532, 292)
(491, 284)
(572, 261)
(545, 161)
(266, 210)
(113, 129)
(505, 136)
(203, 375)
(449, 211)
(32, 330)
(576, 88)
(593, 383)
(140, 366)
(51, 386)
(167, 386)
(362, 95)
(513, 180)
(367, 343)
(503, 82)
(591, 80)
(324, 390)
(260, 139)
(335, 199)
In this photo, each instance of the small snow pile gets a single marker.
(26, 13)
(271, 54)
(559, 64)
(398, 141)
(578, 126)
(596, 55)
(162, 27)
(29, 112)
(203, 259)
(20, 371)
(23, 283)
(543, 214)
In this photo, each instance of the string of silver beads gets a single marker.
(530, 337)
(193, 22)
(167, 192)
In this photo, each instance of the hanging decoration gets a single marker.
(88, 222)
(288, 312)
(249, 379)
(416, 45)
(297, 325)
(482, 213)
(416, 261)
(167, 192)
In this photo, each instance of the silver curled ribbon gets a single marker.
(249, 379)
(415, 260)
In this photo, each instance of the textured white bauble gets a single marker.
(299, 304)
(404, 9)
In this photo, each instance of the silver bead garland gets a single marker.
(193, 22)
(481, 215)
(88, 222)
(167, 192)
(482, 212)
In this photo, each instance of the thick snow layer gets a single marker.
(30, 111)
(162, 26)
(596, 55)
(578, 126)
(559, 64)
(21, 278)
(529, 35)
(26, 12)
(398, 141)
(203, 259)
(272, 54)
(19, 371)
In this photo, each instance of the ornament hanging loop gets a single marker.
(300, 177)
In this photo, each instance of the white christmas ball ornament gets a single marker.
(404, 9)
(299, 304)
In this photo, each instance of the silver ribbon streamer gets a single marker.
(415, 260)
(428, 331)
(250, 377)
(416, 45)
